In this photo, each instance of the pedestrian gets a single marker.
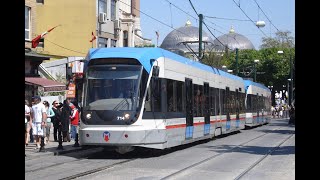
(50, 114)
(28, 124)
(273, 112)
(38, 119)
(74, 121)
(292, 115)
(31, 137)
(65, 119)
(56, 119)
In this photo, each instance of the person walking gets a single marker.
(28, 124)
(56, 119)
(74, 121)
(65, 119)
(50, 114)
(38, 119)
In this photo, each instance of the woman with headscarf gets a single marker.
(65, 119)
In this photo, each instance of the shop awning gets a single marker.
(48, 85)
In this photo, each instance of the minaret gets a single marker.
(231, 30)
(188, 23)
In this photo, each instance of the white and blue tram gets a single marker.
(151, 97)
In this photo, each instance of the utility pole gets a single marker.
(255, 73)
(255, 69)
(237, 68)
(200, 35)
(291, 80)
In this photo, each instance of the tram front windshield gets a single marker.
(111, 87)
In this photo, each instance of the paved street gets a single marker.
(264, 152)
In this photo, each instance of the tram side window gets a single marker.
(202, 100)
(249, 103)
(198, 100)
(242, 102)
(232, 102)
(180, 95)
(217, 94)
(171, 96)
(212, 101)
(223, 101)
(156, 94)
(147, 104)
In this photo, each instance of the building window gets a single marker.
(27, 24)
(113, 43)
(102, 6)
(40, 1)
(113, 9)
(103, 42)
(125, 38)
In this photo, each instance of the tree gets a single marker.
(281, 40)
(213, 59)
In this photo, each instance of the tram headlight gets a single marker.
(127, 116)
(88, 116)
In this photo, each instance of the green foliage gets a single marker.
(274, 67)
(213, 59)
(281, 40)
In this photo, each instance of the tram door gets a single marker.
(189, 108)
(206, 111)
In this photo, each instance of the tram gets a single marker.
(153, 98)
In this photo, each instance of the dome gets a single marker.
(174, 40)
(233, 40)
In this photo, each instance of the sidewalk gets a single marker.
(51, 148)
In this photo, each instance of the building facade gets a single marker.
(34, 84)
(130, 32)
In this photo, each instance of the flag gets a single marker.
(36, 40)
(93, 37)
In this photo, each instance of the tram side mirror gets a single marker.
(155, 71)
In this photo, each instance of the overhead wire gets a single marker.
(64, 47)
(238, 5)
(182, 10)
(265, 15)
(155, 19)
(213, 17)
(209, 29)
(60, 45)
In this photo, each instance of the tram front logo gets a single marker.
(106, 136)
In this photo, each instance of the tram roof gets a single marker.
(249, 82)
(143, 55)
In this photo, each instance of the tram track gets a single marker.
(215, 156)
(96, 170)
(262, 158)
(80, 158)
(92, 171)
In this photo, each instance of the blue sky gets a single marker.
(280, 12)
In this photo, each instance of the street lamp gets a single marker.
(255, 69)
(291, 78)
(224, 68)
(271, 87)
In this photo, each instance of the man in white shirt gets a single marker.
(38, 118)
